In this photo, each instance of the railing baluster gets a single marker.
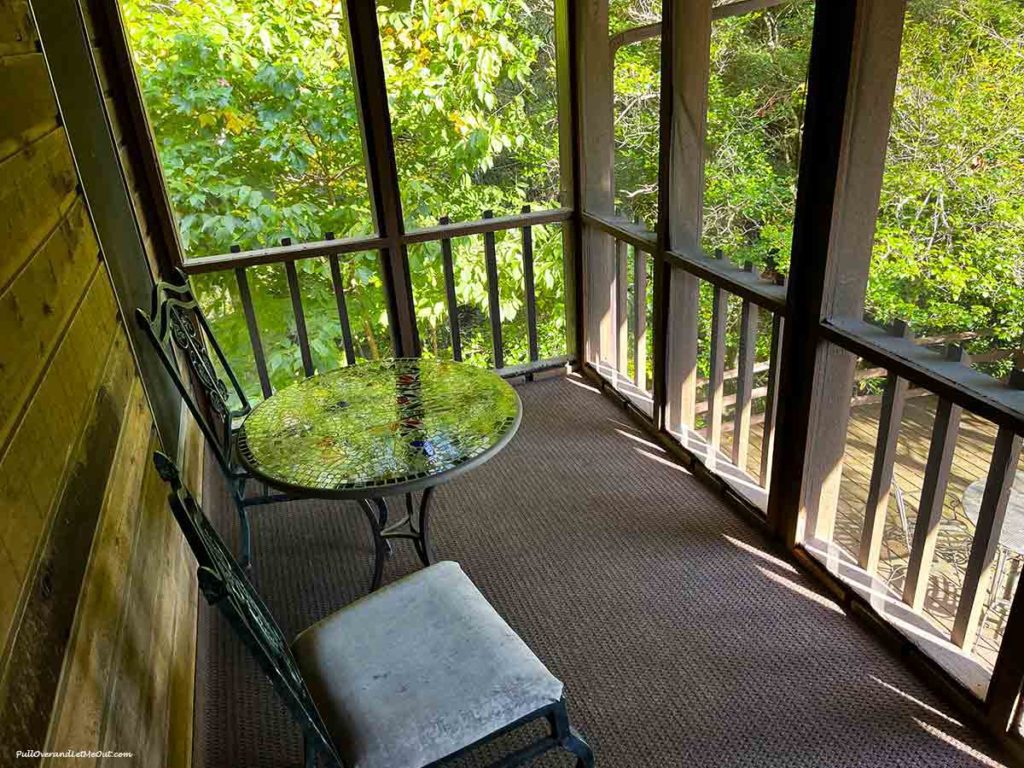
(640, 316)
(716, 387)
(300, 316)
(744, 381)
(771, 404)
(339, 296)
(998, 486)
(493, 297)
(933, 494)
(531, 291)
(621, 310)
(889, 419)
(254, 330)
(449, 292)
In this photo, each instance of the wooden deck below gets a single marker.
(970, 462)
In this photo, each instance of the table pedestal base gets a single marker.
(412, 526)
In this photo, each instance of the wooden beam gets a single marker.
(889, 420)
(332, 247)
(72, 71)
(1004, 690)
(382, 172)
(621, 228)
(716, 378)
(933, 498)
(282, 253)
(569, 160)
(594, 124)
(771, 406)
(524, 218)
(622, 308)
(640, 317)
(743, 283)
(143, 155)
(855, 53)
(686, 68)
(744, 383)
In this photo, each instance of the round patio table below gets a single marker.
(383, 428)
(1011, 536)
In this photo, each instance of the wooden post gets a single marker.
(771, 405)
(622, 308)
(594, 124)
(744, 381)
(566, 63)
(640, 317)
(1004, 690)
(933, 496)
(1001, 473)
(71, 66)
(889, 420)
(716, 379)
(851, 82)
(382, 173)
(685, 70)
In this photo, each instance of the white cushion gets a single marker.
(419, 670)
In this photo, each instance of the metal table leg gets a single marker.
(414, 526)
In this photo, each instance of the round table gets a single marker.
(1011, 536)
(379, 429)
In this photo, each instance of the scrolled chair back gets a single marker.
(224, 585)
(175, 320)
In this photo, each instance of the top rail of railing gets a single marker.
(328, 246)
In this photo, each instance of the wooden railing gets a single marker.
(891, 354)
(958, 388)
(755, 291)
(288, 254)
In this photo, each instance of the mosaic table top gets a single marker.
(379, 428)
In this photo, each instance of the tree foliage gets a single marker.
(254, 109)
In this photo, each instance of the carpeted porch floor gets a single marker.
(681, 640)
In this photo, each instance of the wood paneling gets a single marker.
(39, 305)
(29, 109)
(16, 35)
(38, 189)
(97, 593)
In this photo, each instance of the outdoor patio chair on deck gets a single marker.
(953, 543)
(175, 316)
(409, 676)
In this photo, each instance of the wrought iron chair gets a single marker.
(348, 680)
(954, 539)
(175, 316)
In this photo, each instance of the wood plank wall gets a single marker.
(97, 589)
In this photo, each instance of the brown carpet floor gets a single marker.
(680, 639)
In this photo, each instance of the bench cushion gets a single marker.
(419, 670)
